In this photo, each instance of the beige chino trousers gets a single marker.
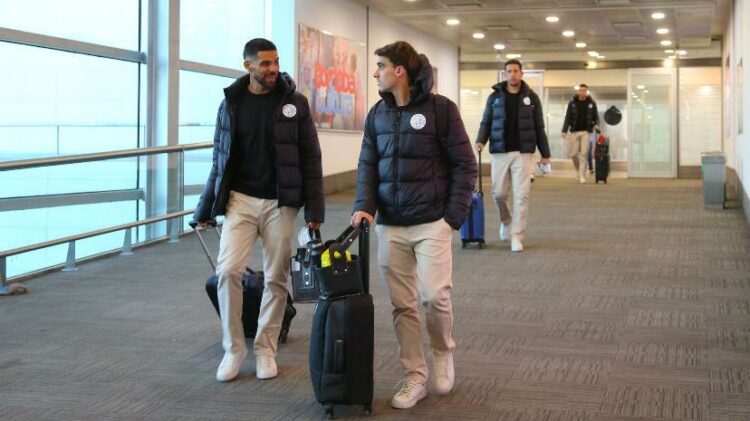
(247, 219)
(416, 263)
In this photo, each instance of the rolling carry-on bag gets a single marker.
(342, 338)
(601, 157)
(252, 293)
(472, 230)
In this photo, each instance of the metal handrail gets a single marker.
(74, 159)
(84, 235)
(71, 240)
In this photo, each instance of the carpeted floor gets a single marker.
(631, 302)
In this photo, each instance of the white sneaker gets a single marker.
(265, 367)
(516, 245)
(230, 366)
(582, 180)
(503, 233)
(411, 390)
(442, 382)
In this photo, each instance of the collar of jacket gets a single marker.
(232, 92)
(588, 98)
(500, 87)
(422, 87)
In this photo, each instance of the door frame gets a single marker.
(672, 72)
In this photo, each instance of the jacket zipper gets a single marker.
(396, 148)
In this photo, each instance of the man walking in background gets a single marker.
(513, 123)
(581, 118)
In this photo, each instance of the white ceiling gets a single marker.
(616, 29)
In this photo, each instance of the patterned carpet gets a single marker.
(631, 302)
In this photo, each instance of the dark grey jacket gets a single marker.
(298, 163)
(406, 172)
(530, 121)
(571, 114)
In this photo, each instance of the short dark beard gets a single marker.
(264, 83)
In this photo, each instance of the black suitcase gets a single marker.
(601, 153)
(342, 343)
(252, 294)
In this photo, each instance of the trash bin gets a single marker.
(714, 177)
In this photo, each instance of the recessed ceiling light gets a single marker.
(593, 53)
(513, 55)
(478, 35)
(499, 46)
(575, 87)
(568, 33)
(645, 91)
(580, 45)
(666, 42)
(452, 22)
(552, 19)
(682, 52)
(669, 51)
(662, 31)
(601, 57)
(657, 16)
(641, 86)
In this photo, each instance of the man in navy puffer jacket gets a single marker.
(266, 166)
(513, 122)
(420, 183)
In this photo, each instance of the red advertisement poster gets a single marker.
(331, 73)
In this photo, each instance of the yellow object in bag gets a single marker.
(325, 258)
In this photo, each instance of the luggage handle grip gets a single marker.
(198, 230)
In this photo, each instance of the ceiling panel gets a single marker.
(607, 25)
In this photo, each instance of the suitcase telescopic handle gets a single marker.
(364, 254)
(198, 230)
(479, 190)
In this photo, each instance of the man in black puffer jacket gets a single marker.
(581, 118)
(419, 180)
(266, 165)
(513, 122)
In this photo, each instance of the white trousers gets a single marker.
(247, 219)
(512, 169)
(416, 264)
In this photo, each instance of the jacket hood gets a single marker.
(500, 87)
(422, 86)
(285, 84)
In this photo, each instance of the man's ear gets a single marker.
(248, 65)
(400, 71)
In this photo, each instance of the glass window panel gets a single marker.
(115, 23)
(215, 31)
(32, 226)
(80, 104)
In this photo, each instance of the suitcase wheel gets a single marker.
(463, 244)
(329, 411)
(368, 409)
(481, 244)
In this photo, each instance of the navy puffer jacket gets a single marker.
(530, 121)
(299, 169)
(406, 172)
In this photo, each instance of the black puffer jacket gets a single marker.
(406, 173)
(530, 121)
(298, 162)
(571, 114)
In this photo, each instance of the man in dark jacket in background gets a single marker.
(420, 184)
(266, 165)
(581, 118)
(513, 122)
